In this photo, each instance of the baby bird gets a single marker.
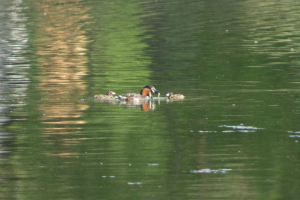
(109, 96)
(170, 95)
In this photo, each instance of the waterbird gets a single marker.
(109, 96)
(145, 94)
(170, 95)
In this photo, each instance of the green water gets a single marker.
(234, 136)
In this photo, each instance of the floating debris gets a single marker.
(153, 164)
(108, 176)
(134, 183)
(297, 132)
(240, 128)
(206, 131)
(228, 131)
(294, 136)
(211, 171)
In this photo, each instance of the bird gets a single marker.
(145, 94)
(170, 95)
(109, 96)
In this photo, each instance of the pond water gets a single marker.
(234, 136)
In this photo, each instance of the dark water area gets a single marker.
(235, 135)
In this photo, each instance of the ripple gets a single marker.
(207, 171)
(241, 127)
(232, 129)
(294, 134)
(153, 164)
(134, 183)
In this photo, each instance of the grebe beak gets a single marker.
(155, 91)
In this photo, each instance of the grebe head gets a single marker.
(169, 94)
(147, 90)
(110, 93)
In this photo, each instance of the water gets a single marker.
(234, 136)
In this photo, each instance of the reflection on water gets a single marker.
(144, 105)
(14, 83)
(234, 136)
(118, 58)
(13, 65)
(61, 58)
(148, 105)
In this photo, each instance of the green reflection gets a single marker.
(119, 147)
(118, 53)
(125, 139)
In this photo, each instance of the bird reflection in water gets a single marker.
(145, 106)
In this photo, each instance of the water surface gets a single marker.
(234, 136)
